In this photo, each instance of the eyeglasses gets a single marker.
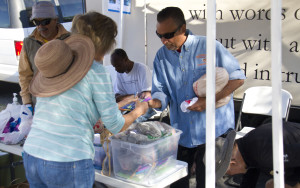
(167, 35)
(43, 22)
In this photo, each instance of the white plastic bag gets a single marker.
(187, 103)
(4, 118)
(222, 78)
(11, 111)
(15, 111)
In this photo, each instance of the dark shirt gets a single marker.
(256, 148)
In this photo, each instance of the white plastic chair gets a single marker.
(258, 100)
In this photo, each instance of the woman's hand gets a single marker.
(141, 107)
(126, 100)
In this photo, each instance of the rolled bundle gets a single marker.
(222, 78)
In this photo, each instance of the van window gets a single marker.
(64, 9)
(71, 8)
(4, 14)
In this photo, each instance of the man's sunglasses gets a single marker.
(42, 22)
(167, 35)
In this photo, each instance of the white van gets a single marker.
(15, 25)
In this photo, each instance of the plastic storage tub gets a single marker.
(144, 164)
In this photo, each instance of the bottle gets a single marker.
(15, 99)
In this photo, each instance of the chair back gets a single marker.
(258, 100)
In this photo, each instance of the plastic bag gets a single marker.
(11, 111)
(187, 103)
(4, 118)
(16, 124)
(222, 78)
(145, 132)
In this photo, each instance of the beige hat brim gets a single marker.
(84, 51)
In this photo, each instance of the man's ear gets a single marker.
(183, 28)
(56, 20)
(232, 162)
(231, 167)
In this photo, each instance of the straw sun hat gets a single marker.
(61, 65)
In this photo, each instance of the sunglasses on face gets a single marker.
(42, 22)
(167, 35)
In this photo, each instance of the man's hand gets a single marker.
(200, 105)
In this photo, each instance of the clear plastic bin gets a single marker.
(144, 164)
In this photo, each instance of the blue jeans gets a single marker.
(41, 173)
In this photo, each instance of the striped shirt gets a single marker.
(62, 128)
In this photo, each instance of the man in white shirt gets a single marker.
(132, 79)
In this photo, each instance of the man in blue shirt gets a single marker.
(177, 65)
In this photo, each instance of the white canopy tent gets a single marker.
(276, 16)
(276, 103)
(276, 40)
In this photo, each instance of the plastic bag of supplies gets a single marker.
(15, 123)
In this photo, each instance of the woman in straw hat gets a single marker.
(73, 92)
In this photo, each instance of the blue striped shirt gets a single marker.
(173, 77)
(62, 128)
